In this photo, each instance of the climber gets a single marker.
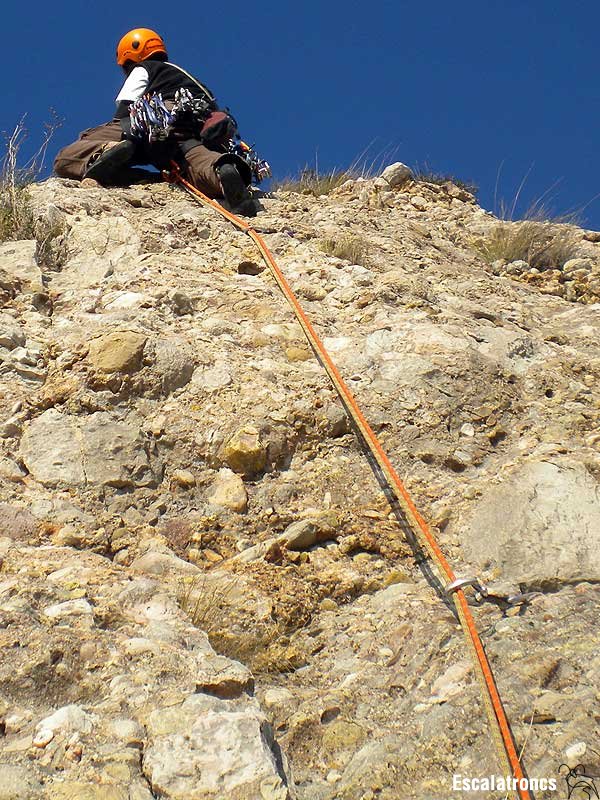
(197, 138)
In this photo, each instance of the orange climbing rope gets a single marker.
(502, 734)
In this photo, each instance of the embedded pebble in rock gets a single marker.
(298, 354)
(305, 533)
(575, 753)
(122, 300)
(450, 683)
(42, 738)
(516, 267)
(245, 452)
(69, 608)
(159, 563)
(120, 351)
(575, 264)
(229, 491)
(70, 718)
(17, 522)
(11, 333)
(204, 591)
(174, 363)
(184, 478)
(212, 378)
(419, 202)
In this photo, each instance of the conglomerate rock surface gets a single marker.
(203, 590)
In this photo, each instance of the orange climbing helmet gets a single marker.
(138, 45)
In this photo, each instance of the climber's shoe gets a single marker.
(111, 161)
(235, 191)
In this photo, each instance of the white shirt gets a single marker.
(134, 87)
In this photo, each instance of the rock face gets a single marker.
(18, 259)
(204, 593)
(153, 712)
(62, 450)
(540, 526)
(232, 752)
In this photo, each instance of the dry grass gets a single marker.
(348, 247)
(312, 181)
(541, 237)
(543, 245)
(235, 631)
(16, 216)
(424, 174)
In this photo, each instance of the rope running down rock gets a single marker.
(499, 725)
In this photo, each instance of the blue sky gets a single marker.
(468, 88)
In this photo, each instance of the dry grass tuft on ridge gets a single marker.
(543, 245)
(348, 247)
(16, 216)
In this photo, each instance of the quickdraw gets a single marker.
(500, 728)
(261, 169)
(152, 121)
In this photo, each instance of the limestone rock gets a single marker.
(68, 719)
(229, 491)
(396, 174)
(18, 259)
(17, 522)
(174, 363)
(95, 450)
(245, 452)
(18, 783)
(228, 752)
(473, 379)
(539, 525)
(120, 351)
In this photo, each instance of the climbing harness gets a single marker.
(152, 121)
(500, 728)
